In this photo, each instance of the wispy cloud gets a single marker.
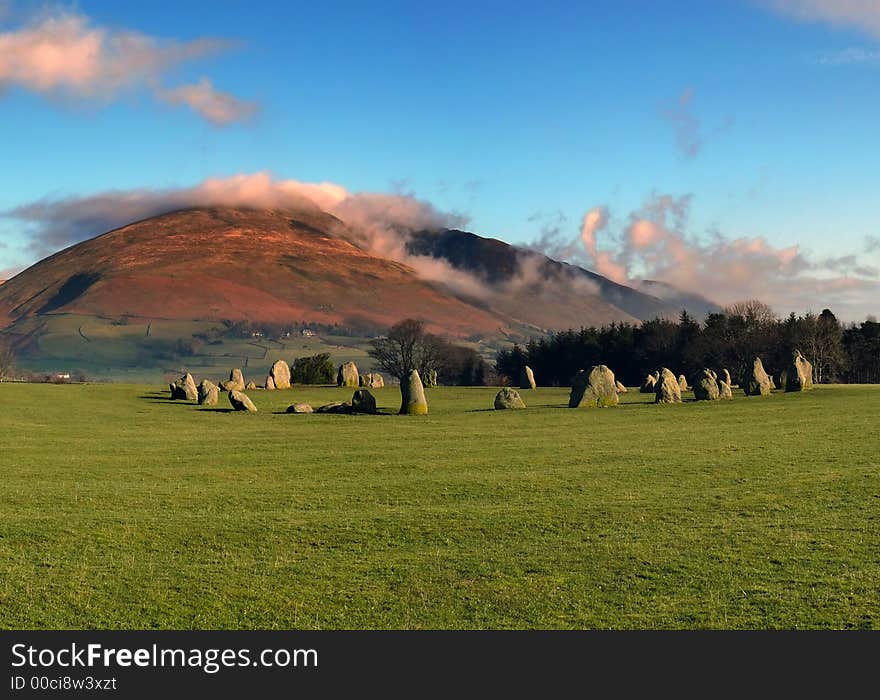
(62, 53)
(850, 57)
(685, 124)
(862, 15)
(379, 223)
(219, 108)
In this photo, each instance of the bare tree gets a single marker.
(753, 310)
(408, 346)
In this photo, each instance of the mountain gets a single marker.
(216, 264)
(546, 292)
(234, 264)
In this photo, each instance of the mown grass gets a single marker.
(120, 509)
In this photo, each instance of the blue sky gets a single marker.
(522, 116)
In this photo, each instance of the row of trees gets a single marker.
(409, 346)
(731, 340)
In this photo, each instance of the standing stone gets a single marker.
(184, 389)
(621, 389)
(347, 375)
(799, 376)
(682, 382)
(527, 381)
(364, 380)
(668, 389)
(508, 398)
(596, 388)
(412, 394)
(280, 373)
(300, 408)
(431, 378)
(250, 386)
(725, 377)
(209, 393)
(363, 402)
(724, 391)
(235, 382)
(241, 401)
(755, 380)
(270, 383)
(649, 386)
(376, 381)
(706, 386)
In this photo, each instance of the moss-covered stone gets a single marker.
(508, 398)
(412, 395)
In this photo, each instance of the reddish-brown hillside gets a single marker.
(235, 264)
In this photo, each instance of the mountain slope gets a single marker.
(216, 264)
(234, 264)
(571, 295)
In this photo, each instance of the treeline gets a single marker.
(730, 340)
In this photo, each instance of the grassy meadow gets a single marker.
(121, 509)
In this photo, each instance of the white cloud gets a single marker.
(655, 243)
(862, 15)
(64, 54)
(218, 108)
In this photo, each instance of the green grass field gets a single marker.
(120, 509)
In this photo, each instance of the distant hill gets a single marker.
(227, 264)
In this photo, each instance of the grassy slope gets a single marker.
(71, 342)
(121, 509)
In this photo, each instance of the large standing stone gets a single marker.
(347, 375)
(235, 382)
(184, 389)
(300, 408)
(755, 380)
(621, 389)
(280, 374)
(508, 398)
(363, 402)
(682, 382)
(527, 381)
(208, 392)
(705, 386)
(412, 395)
(596, 388)
(724, 391)
(799, 376)
(270, 383)
(667, 389)
(649, 386)
(241, 401)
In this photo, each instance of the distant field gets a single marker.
(103, 349)
(121, 509)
